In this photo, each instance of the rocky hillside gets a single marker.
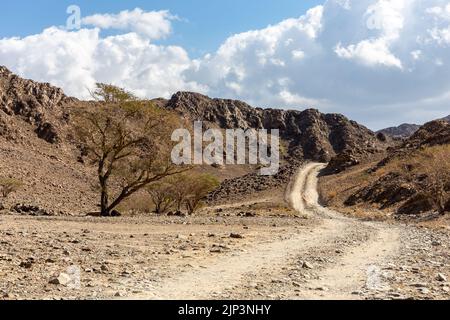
(38, 104)
(310, 134)
(36, 148)
(405, 130)
(402, 131)
(409, 178)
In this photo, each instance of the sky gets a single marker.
(379, 62)
(201, 29)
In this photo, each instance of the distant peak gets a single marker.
(4, 71)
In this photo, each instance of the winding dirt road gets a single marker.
(353, 251)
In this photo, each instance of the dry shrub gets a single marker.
(8, 186)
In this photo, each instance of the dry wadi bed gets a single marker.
(220, 257)
(121, 257)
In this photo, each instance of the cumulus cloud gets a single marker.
(76, 60)
(151, 24)
(380, 62)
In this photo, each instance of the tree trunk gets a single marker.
(105, 212)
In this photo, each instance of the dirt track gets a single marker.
(324, 256)
(339, 281)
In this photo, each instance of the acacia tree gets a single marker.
(129, 141)
(189, 189)
(162, 196)
(199, 188)
(180, 190)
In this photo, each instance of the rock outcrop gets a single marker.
(39, 104)
(310, 134)
(402, 131)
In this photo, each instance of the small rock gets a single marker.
(26, 264)
(236, 236)
(441, 277)
(63, 279)
(424, 290)
(419, 285)
(307, 265)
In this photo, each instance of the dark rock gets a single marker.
(447, 206)
(47, 132)
(31, 210)
(35, 103)
(420, 203)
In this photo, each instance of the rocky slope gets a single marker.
(35, 149)
(38, 104)
(402, 131)
(405, 130)
(310, 134)
(36, 146)
(406, 191)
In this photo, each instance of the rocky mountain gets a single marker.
(447, 118)
(402, 131)
(39, 104)
(405, 130)
(310, 134)
(36, 148)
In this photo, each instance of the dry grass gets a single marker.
(434, 162)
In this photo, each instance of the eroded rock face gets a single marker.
(310, 134)
(39, 104)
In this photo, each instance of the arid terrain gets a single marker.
(319, 254)
(351, 214)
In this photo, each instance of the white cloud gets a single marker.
(298, 54)
(370, 52)
(77, 60)
(378, 61)
(152, 24)
(351, 57)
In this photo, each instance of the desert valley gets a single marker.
(351, 213)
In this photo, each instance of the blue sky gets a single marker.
(379, 62)
(202, 27)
